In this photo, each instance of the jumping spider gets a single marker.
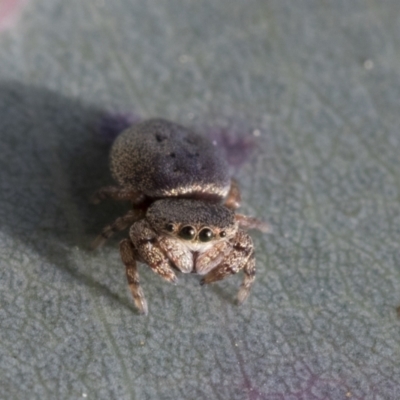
(183, 202)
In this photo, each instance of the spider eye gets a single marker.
(169, 227)
(187, 233)
(222, 234)
(205, 235)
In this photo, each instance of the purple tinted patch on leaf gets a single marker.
(111, 125)
(313, 387)
(9, 12)
(237, 145)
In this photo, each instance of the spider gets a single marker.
(183, 208)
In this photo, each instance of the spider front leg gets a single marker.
(144, 240)
(129, 256)
(249, 271)
(239, 256)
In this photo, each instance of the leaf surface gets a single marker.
(316, 86)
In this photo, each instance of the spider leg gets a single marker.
(129, 257)
(144, 240)
(233, 198)
(117, 193)
(249, 271)
(119, 224)
(240, 257)
(246, 222)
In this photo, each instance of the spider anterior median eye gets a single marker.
(169, 227)
(205, 235)
(187, 232)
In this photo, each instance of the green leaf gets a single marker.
(320, 82)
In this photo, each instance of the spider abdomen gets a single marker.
(162, 159)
